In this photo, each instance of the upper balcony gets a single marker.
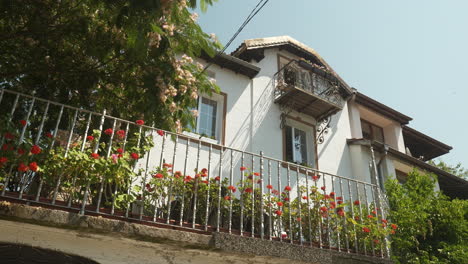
(309, 89)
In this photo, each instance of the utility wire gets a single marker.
(252, 14)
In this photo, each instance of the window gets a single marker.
(206, 120)
(209, 123)
(300, 145)
(372, 132)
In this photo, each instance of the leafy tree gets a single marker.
(456, 170)
(431, 227)
(121, 55)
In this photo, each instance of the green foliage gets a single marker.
(119, 55)
(431, 228)
(456, 170)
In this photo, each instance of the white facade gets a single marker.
(248, 119)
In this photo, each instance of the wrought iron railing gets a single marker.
(91, 163)
(295, 74)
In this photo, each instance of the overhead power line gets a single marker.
(252, 14)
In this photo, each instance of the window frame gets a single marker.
(221, 109)
(372, 126)
(311, 141)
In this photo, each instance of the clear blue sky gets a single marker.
(411, 55)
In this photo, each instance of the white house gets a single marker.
(281, 98)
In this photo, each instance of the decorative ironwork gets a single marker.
(295, 75)
(322, 129)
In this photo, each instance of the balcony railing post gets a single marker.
(280, 229)
(169, 197)
(291, 237)
(181, 219)
(207, 212)
(242, 197)
(197, 182)
(262, 225)
(299, 202)
(231, 173)
(220, 171)
(270, 216)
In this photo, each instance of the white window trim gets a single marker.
(310, 140)
(219, 119)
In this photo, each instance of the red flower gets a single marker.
(120, 133)
(340, 202)
(22, 167)
(332, 205)
(217, 178)
(326, 197)
(135, 156)
(278, 212)
(108, 131)
(204, 171)
(376, 241)
(232, 188)
(259, 181)
(286, 199)
(287, 188)
(356, 218)
(279, 204)
(227, 197)
(158, 176)
(21, 151)
(120, 150)
(315, 177)
(35, 149)
(49, 135)
(178, 174)
(167, 165)
(188, 178)
(23, 122)
(304, 197)
(394, 227)
(298, 219)
(248, 190)
(94, 155)
(256, 173)
(384, 221)
(366, 230)
(140, 122)
(357, 202)
(284, 236)
(243, 168)
(119, 156)
(90, 138)
(392, 232)
(205, 182)
(332, 194)
(269, 186)
(8, 135)
(197, 175)
(323, 188)
(323, 209)
(374, 212)
(3, 160)
(33, 166)
(160, 132)
(339, 198)
(275, 192)
(340, 212)
(370, 216)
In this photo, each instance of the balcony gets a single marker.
(87, 163)
(308, 89)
